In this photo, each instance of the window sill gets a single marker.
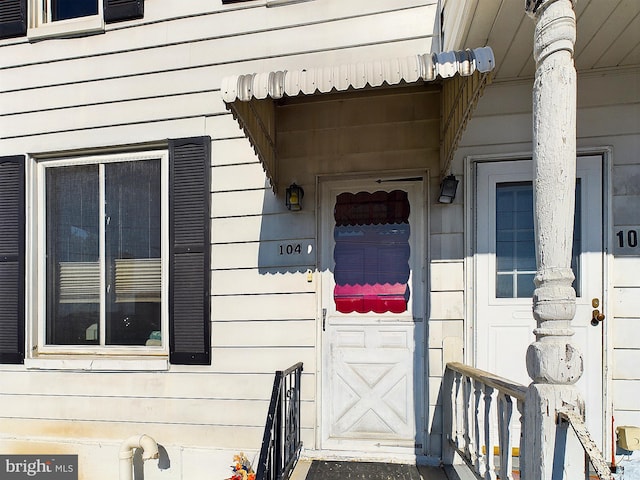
(67, 28)
(94, 364)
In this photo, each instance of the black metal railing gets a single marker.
(281, 443)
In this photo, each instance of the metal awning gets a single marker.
(251, 97)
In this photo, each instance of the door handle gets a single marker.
(324, 319)
(596, 316)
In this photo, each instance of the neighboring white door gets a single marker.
(373, 294)
(505, 266)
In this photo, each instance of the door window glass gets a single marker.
(371, 252)
(515, 244)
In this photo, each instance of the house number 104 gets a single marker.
(290, 249)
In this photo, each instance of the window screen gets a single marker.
(103, 254)
(371, 252)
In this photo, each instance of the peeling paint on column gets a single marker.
(553, 362)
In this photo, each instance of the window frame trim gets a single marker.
(36, 301)
(38, 28)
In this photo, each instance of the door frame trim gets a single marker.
(470, 188)
(320, 181)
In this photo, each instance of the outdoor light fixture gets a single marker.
(293, 197)
(448, 189)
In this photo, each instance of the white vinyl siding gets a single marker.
(137, 85)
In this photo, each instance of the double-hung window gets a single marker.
(103, 275)
(105, 260)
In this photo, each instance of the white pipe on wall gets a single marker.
(149, 451)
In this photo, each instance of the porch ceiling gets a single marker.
(253, 98)
(608, 33)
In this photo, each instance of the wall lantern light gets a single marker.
(448, 189)
(293, 197)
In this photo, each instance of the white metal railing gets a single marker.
(478, 415)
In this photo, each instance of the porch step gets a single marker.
(340, 470)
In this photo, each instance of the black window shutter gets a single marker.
(119, 10)
(13, 18)
(189, 245)
(12, 219)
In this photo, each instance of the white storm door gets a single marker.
(373, 316)
(505, 266)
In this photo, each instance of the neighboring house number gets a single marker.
(626, 241)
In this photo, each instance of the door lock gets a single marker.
(596, 316)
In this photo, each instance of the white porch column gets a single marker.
(553, 363)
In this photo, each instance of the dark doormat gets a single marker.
(323, 470)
